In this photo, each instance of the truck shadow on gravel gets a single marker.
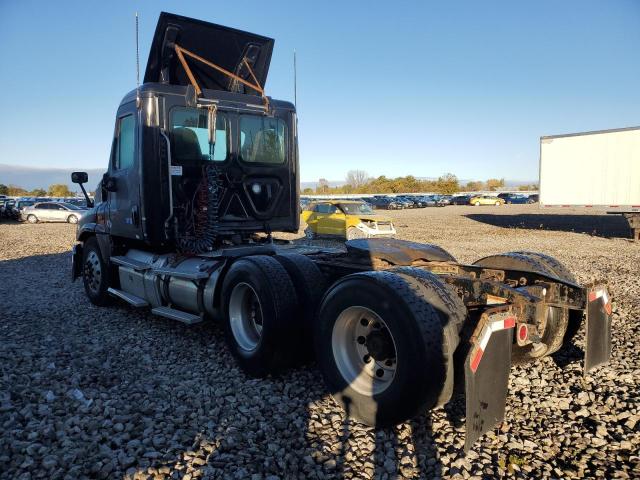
(606, 226)
(120, 393)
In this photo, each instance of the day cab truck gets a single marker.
(204, 169)
(595, 171)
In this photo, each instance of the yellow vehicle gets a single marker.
(485, 200)
(345, 218)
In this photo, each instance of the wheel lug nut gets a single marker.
(379, 372)
(366, 358)
(364, 322)
(361, 340)
(388, 362)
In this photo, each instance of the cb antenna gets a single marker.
(137, 65)
(295, 80)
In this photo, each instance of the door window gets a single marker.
(125, 149)
(326, 208)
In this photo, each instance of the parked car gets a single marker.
(403, 202)
(513, 198)
(432, 201)
(413, 201)
(533, 198)
(444, 199)
(345, 219)
(19, 205)
(52, 212)
(460, 200)
(486, 200)
(6, 206)
(385, 203)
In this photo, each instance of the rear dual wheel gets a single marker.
(384, 343)
(269, 304)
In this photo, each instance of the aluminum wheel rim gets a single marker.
(245, 316)
(93, 271)
(73, 219)
(355, 361)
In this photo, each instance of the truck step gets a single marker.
(181, 274)
(130, 263)
(129, 298)
(178, 315)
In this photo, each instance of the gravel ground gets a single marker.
(119, 393)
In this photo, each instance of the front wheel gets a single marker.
(95, 274)
(497, 204)
(477, 204)
(353, 233)
(32, 219)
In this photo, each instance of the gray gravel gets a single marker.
(112, 393)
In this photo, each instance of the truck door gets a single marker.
(124, 199)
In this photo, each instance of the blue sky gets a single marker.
(393, 88)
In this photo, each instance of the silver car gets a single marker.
(52, 212)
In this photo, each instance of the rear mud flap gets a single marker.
(597, 348)
(487, 367)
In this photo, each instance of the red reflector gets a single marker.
(608, 309)
(523, 332)
(475, 361)
(509, 322)
(592, 296)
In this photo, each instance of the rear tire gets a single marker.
(557, 319)
(477, 204)
(72, 219)
(400, 368)
(259, 303)
(497, 204)
(309, 284)
(95, 274)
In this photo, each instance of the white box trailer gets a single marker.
(594, 170)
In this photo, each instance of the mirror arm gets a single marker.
(86, 196)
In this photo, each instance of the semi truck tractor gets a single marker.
(594, 171)
(204, 169)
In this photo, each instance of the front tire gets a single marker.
(95, 274)
(259, 303)
(382, 347)
(32, 219)
(353, 234)
(497, 204)
(477, 204)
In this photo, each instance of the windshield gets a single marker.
(356, 208)
(262, 139)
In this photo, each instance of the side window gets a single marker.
(325, 208)
(125, 145)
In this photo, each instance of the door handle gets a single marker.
(135, 217)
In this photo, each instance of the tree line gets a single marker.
(358, 181)
(55, 190)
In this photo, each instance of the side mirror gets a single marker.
(79, 177)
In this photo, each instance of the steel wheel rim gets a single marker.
(93, 271)
(245, 316)
(367, 370)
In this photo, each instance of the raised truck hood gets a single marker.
(224, 46)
